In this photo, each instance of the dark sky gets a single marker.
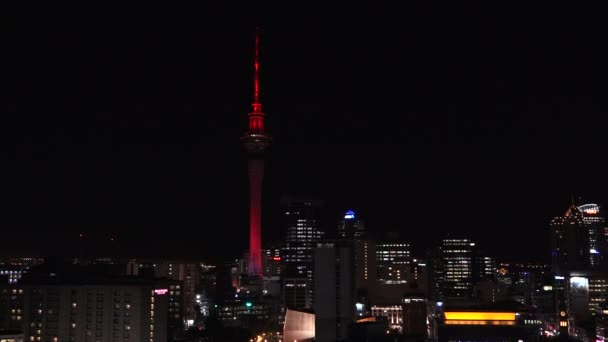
(424, 120)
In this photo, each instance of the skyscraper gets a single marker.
(457, 259)
(301, 218)
(271, 260)
(351, 227)
(256, 142)
(569, 241)
(334, 303)
(393, 260)
(596, 226)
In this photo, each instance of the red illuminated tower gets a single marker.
(256, 142)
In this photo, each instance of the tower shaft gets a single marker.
(256, 177)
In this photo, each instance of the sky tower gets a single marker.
(256, 142)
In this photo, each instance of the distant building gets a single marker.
(570, 248)
(365, 273)
(271, 262)
(351, 227)
(415, 315)
(485, 267)
(334, 304)
(435, 275)
(128, 310)
(393, 260)
(187, 273)
(462, 266)
(596, 228)
(302, 221)
(297, 293)
(12, 269)
(457, 259)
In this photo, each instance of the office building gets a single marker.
(596, 228)
(351, 227)
(126, 310)
(569, 242)
(302, 221)
(271, 262)
(462, 265)
(297, 293)
(457, 260)
(187, 273)
(334, 303)
(393, 261)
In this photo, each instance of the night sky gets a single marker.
(423, 120)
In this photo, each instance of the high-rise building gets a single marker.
(125, 310)
(365, 272)
(569, 242)
(351, 227)
(435, 273)
(484, 267)
(393, 260)
(187, 273)
(297, 293)
(334, 302)
(457, 259)
(271, 261)
(302, 220)
(462, 265)
(256, 142)
(596, 228)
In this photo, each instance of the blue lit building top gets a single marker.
(349, 215)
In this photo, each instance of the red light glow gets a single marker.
(256, 175)
(276, 258)
(256, 117)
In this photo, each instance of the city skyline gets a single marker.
(418, 126)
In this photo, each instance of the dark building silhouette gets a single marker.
(334, 303)
(569, 241)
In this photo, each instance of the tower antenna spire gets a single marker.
(257, 106)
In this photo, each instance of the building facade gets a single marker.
(457, 259)
(569, 242)
(302, 219)
(334, 304)
(393, 260)
(105, 312)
